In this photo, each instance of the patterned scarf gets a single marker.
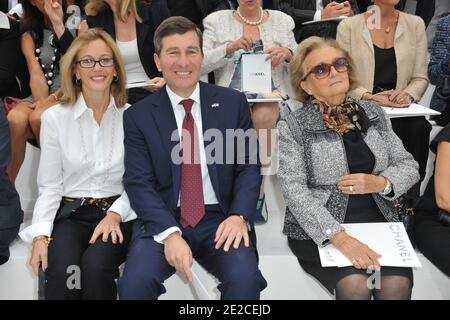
(343, 117)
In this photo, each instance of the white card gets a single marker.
(256, 73)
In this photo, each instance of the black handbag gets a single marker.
(404, 207)
(444, 217)
(443, 88)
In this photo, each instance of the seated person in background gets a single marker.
(391, 68)
(229, 33)
(132, 24)
(193, 207)
(11, 215)
(308, 10)
(340, 162)
(42, 51)
(432, 216)
(195, 10)
(438, 68)
(82, 205)
(9, 56)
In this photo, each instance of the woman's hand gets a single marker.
(361, 256)
(109, 225)
(38, 86)
(155, 84)
(278, 56)
(361, 183)
(400, 97)
(382, 99)
(39, 256)
(45, 103)
(55, 13)
(244, 43)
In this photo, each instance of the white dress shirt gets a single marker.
(209, 195)
(79, 158)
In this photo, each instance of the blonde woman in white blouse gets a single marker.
(82, 220)
(228, 33)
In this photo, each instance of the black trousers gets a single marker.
(415, 135)
(79, 270)
(433, 239)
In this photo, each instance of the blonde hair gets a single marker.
(124, 9)
(71, 89)
(297, 70)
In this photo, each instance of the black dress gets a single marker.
(413, 131)
(360, 209)
(433, 237)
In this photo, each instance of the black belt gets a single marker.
(71, 205)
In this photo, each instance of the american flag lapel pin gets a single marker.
(215, 105)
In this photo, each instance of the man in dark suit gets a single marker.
(200, 204)
(11, 215)
(308, 10)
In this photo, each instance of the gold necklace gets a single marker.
(388, 29)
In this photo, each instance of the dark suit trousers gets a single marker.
(98, 263)
(146, 267)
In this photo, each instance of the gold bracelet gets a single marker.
(55, 96)
(44, 239)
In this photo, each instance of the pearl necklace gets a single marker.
(50, 72)
(253, 23)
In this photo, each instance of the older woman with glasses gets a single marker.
(340, 162)
(82, 219)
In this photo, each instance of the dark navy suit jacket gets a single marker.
(152, 180)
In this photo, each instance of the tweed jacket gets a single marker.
(440, 56)
(222, 28)
(312, 158)
(410, 46)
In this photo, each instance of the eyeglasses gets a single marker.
(323, 70)
(90, 63)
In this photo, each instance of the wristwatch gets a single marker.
(388, 188)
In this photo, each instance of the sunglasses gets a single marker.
(323, 70)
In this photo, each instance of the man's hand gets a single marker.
(232, 230)
(178, 254)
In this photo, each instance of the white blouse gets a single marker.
(79, 158)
